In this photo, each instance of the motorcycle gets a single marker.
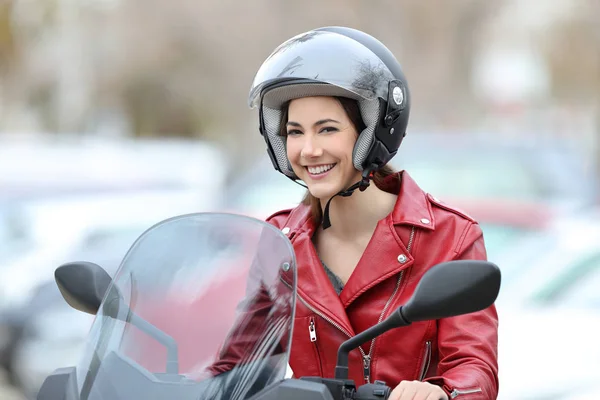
(192, 286)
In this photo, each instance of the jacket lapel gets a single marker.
(314, 287)
(387, 254)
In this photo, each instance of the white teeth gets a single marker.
(320, 169)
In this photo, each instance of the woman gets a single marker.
(334, 107)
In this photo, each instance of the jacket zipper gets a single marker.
(455, 393)
(366, 357)
(312, 331)
(426, 360)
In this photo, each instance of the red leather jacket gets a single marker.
(459, 353)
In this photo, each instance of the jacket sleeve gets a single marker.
(246, 334)
(468, 344)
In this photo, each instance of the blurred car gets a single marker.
(559, 266)
(65, 164)
(262, 191)
(47, 332)
(75, 225)
(58, 194)
(46, 166)
(51, 187)
(59, 225)
(547, 353)
(485, 167)
(549, 310)
(13, 235)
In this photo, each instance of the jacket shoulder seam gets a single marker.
(278, 213)
(449, 208)
(462, 238)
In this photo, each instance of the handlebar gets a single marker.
(345, 389)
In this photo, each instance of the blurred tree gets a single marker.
(184, 67)
(7, 40)
(159, 70)
(435, 42)
(572, 49)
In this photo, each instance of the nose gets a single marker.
(311, 148)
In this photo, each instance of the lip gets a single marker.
(319, 176)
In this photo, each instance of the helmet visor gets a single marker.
(324, 57)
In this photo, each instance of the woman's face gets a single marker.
(320, 141)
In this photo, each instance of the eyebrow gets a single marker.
(319, 122)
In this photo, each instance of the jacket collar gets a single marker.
(412, 207)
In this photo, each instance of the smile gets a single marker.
(320, 169)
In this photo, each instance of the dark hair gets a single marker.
(353, 111)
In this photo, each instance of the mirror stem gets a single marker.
(395, 320)
(161, 337)
(111, 309)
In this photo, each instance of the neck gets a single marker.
(359, 213)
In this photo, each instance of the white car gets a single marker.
(66, 223)
(547, 353)
(262, 191)
(560, 264)
(493, 167)
(62, 164)
(96, 228)
(53, 189)
(549, 312)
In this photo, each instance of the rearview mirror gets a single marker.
(448, 289)
(83, 285)
(453, 288)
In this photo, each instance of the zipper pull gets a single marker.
(455, 392)
(312, 331)
(367, 368)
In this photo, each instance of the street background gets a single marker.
(116, 114)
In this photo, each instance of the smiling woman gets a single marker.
(333, 110)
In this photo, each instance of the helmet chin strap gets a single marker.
(364, 183)
(361, 185)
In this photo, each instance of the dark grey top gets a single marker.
(337, 283)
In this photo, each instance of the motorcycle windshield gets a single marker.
(201, 308)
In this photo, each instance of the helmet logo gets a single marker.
(397, 95)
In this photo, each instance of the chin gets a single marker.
(328, 187)
(324, 192)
